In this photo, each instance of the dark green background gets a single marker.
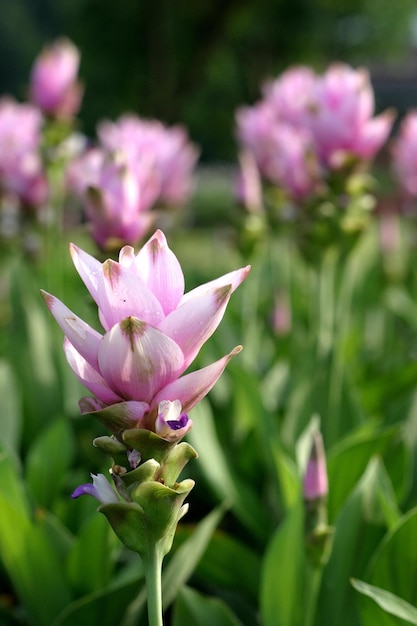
(195, 61)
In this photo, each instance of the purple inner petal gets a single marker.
(179, 423)
(87, 489)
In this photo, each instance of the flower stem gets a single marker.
(153, 569)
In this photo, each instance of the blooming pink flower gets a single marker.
(341, 116)
(115, 202)
(152, 333)
(53, 85)
(284, 153)
(21, 167)
(151, 146)
(290, 95)
(404, 154)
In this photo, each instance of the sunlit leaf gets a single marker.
(389, 602)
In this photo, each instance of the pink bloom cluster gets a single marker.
(21, 169)
(307, 124)
(152, 333)
(136, 164)
(54, 87)
(404, 154)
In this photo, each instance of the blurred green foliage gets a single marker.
(195, 62)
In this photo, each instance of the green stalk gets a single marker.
(153, 570)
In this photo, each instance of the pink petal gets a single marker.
(136, 359)
(88, 376)
(373, 134)
(127, 256)
(191, 324)
(232, 278)
(161, 271)
(89, 269)
(122, 294)
(84, 338)
(192, 388)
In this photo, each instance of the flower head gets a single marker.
(54, 87)
(154, 150)
(21, 169)
(341, 116)
(152, 333)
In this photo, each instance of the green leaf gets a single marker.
(396, 558)
(90, 560)
(11, 485)
(229, 564)
(104, 607)
(195, 608)
(11, 414)
(282, 574)
(32, 564)
(217, 469)
(353, 544)
(347, 461)
(389, 602)
(184, 561)
(48, 461)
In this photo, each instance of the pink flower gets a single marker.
(292, 162)
(254, 125)
(404, 154)
(21, 167)
(152, 333)
(113, 207)
(248, 188)
(150, 146)
(341, 116)
(115, 200)
(53, 85)
(284, 153)
(84, 171)
(315, 479)
(290, 95)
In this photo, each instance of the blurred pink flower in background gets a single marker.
(292, 162)
(54, 87)
(307, 124)
(341, 116)
(153, 332)
(254, 127)
(284, 153)
(290, 95)
(113, 206)
(21, 168)
(404, 154)
(248, 186)
(136, 166)
(164, 151)
(116, 203)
